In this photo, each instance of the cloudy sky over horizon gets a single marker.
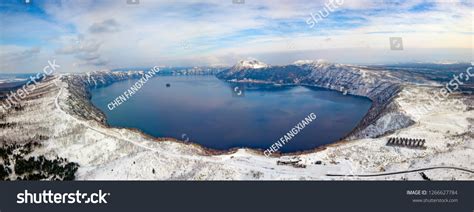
(90, 35)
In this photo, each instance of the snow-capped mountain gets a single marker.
(249, 64)
(303, 62)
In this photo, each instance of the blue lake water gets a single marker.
(207, 111)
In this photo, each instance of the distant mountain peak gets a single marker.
(307, 62)
(303, 62)
(250, 63)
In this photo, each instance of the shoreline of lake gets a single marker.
(291, 90)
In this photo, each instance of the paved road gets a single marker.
(401, 172)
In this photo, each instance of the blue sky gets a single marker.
(92, 35)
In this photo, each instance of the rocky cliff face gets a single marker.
(78, 86)
(102, 78)
(378, 85)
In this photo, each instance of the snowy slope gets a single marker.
(60, 109)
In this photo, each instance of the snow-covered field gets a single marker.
(105, 153)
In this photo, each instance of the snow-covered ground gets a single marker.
(105, 153)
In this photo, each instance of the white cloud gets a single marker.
(114, 34)
(106, 26)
